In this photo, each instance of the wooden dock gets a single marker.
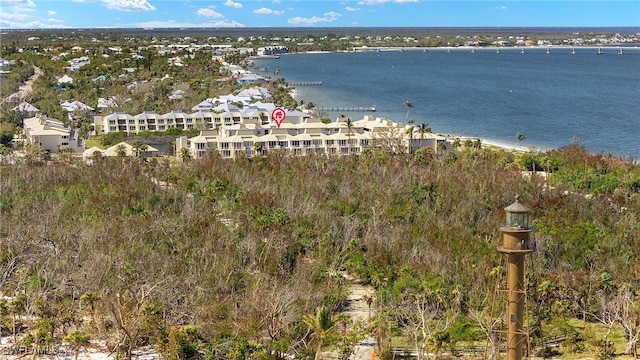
(306, 83)
(346, 108)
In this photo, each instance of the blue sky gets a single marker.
(27, 14)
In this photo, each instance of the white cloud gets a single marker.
(232, 4)
(210, 13)
(266, 11)
(128, 5)
(51, 13)
(17, 9)
(31, 25)
(502, 7)
(175, 24)
(373, 2)
(349, 8)
(328, 17)
(378, 2)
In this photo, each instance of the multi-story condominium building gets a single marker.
(223, 114)
(310, 136)
(51, 134)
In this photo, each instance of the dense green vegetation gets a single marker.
(244, 259)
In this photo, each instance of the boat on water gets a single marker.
(497, 51)
(620, 52)
(473, 51)
(599, 52)
(548, 51)
(573, 51)
(522, 51)
(448, 50)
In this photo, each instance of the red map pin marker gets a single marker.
(278, 115)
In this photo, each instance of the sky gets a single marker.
(33, 14)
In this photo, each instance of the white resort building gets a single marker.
(307, 137)
(242, 126)
(51, 134)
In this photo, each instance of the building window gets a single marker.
(132, 128)
(64, 144)
(237, 146)
(132, 122)
(295, 143)
(112, 122)
(224, 145)
(143, 128)
(161, 127)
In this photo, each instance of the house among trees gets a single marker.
(65, 79)
(51, 135)
(26, 109)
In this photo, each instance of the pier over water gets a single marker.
(305, 83)
(346, 108)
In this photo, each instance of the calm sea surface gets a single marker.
(551, 98)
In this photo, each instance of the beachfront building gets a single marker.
(306, 137)
(222, 114)
(51, 134)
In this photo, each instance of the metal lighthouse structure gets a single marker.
(515, 243)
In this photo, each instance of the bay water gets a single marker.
(553, 97)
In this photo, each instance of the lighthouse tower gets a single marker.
(515, 243)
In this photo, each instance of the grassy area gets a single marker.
(93, 142)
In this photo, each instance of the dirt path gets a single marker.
(359, 310)
(26, 88)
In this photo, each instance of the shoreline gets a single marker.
(617, 47)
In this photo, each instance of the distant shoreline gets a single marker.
(530, 30)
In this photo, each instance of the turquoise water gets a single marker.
(551, 98)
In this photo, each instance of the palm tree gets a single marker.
(139, 149)
(519, 138)
(258, 147)
(121, 150)
(349, 123)
(409, 105)
(321, 324)
(423, 128)
(410, 130)
(185, 155)
(369, 301)
(77, 339)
